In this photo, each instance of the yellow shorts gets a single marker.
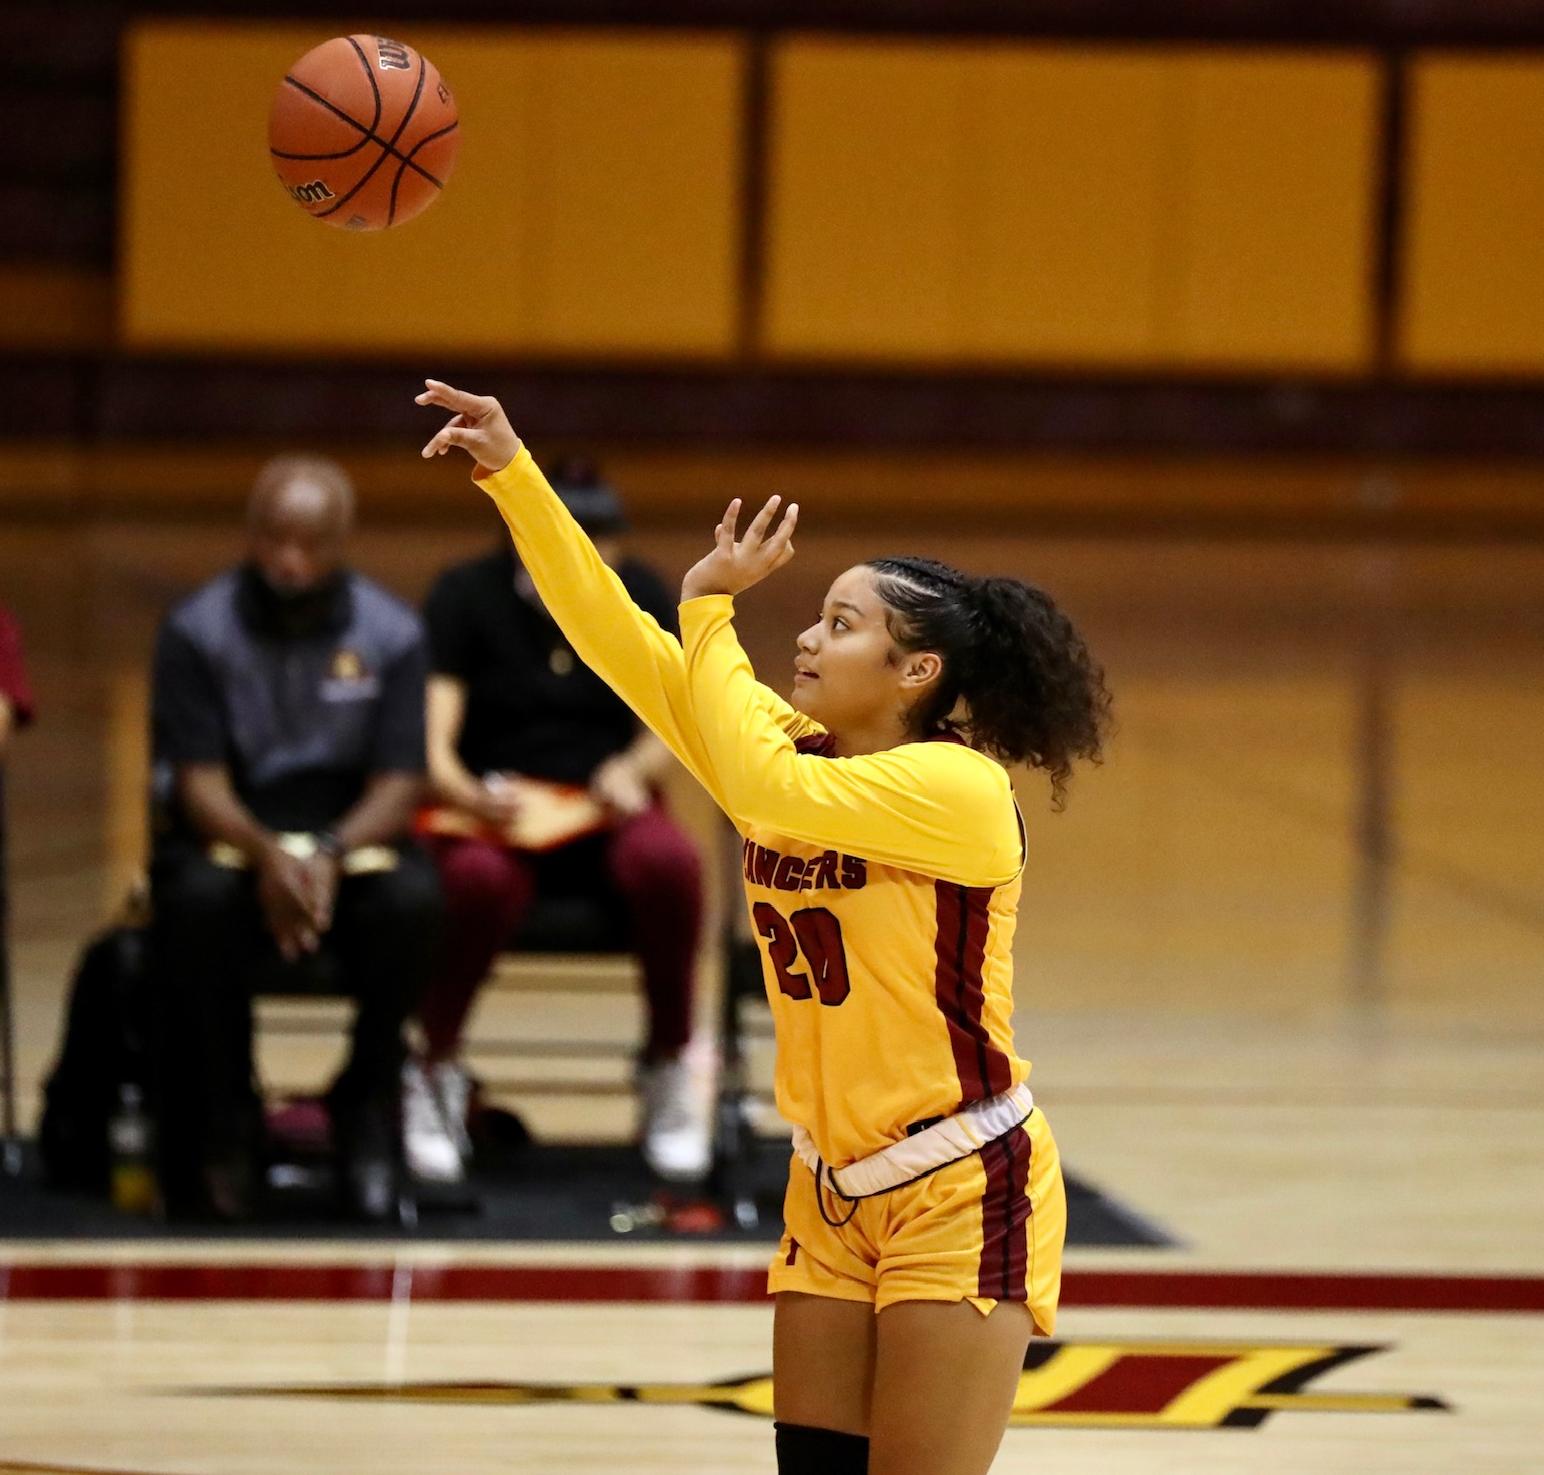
(988, 1228)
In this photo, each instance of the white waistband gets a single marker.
(934, 1147)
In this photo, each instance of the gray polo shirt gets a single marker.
(300, 720)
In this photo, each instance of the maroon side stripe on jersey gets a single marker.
(1005, 1210)
(960, 950)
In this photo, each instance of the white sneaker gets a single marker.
(427, 1145)
(452, 1088)
(676, 1144)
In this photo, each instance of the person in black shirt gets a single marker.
(16, 711)
(15, 690)
(507, 696)
(288, 737)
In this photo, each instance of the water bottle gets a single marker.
(131, 1144)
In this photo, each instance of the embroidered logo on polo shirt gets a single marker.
(348, 679)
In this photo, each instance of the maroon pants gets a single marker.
(648, 862)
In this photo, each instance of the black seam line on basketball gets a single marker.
(408, 161)
(412, 163)
(397, 179)
(387, 148)
(367, 133)
(370, 136)
(418, 91)
(364, 61)
(375, 122)
(413, 107)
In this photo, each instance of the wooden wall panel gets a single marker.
(1473, 289)
(1054, 205)
(596, 177)
(1061, 206)
(862, 241)
(962, 203)
(634, 166)
(1274, 211)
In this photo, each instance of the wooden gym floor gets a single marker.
(1279, 970)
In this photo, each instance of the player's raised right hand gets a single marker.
(478, 425)
(736, 563)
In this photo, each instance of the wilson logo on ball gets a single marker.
(393, 55)
(312, 193)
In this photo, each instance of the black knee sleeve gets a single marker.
(802, 1450)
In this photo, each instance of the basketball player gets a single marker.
(883, 851)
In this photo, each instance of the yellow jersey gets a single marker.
(883, 888)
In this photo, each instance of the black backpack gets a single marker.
(106, 1046)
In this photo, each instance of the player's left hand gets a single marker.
(736, 564)
(478, 425)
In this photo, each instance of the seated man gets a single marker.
(289, 747)
(509, 703)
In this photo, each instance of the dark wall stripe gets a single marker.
(754, 178)
(1387, 263)
(186, 398)
(1267, 22)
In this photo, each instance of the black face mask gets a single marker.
(291, 613)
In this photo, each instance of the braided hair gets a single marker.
(1017, 682)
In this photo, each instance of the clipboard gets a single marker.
(550, 816)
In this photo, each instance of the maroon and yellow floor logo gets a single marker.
(1106, 1385)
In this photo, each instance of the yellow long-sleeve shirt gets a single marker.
(883, 887)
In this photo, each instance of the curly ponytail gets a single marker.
(1030, 691)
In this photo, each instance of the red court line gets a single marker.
(1275, 1290)
(1219, 1290)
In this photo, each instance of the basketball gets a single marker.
(363, 132)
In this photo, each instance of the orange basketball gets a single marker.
(363, 132)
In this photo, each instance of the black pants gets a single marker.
(212, 952)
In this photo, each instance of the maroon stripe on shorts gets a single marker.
(964, 920)
(1005, 1211)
